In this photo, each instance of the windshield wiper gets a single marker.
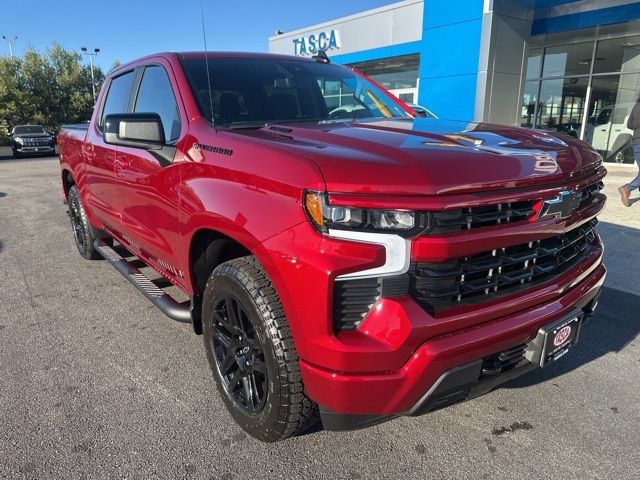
(255, 124)
(243, 125)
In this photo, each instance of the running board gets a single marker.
(180, 312)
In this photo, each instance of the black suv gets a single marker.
(32, 139)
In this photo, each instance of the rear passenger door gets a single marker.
(100, 158)
(148, 186)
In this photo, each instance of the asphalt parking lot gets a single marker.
(97, 383)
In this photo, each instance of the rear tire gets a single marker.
(80, 224)
(251, 353)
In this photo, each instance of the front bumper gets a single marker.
(399, 351)
(446, 370)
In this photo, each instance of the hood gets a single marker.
(431, 156)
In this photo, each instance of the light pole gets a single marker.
(91, 55)
(10, 39)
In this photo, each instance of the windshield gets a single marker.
(253, 92)
(28, 129)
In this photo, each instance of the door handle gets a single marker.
(617, 130)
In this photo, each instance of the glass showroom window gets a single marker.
(612, 98)
(561, 105)
(585, 90)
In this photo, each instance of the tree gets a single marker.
(48, 89)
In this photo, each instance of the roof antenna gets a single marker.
(321, 57)
(206, 59)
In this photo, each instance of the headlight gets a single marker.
(19, 140)
(325, 217)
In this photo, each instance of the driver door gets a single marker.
(147, 186)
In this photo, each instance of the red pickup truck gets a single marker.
(343, 259)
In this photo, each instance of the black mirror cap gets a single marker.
(137, 130)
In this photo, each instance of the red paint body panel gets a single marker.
(254, 196)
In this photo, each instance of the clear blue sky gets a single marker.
(128, 29)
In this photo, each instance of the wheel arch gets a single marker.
(67, 181)
(209, 247)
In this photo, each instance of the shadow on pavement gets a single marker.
(615, 325)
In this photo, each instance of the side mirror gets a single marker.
(10, 134)
(136, 130)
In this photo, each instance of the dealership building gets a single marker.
(560, 65)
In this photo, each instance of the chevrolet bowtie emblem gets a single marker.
(560, 207)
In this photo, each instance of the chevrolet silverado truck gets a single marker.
(348, 269)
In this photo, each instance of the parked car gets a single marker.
(32, 140)
(608, 133)
(347, 270)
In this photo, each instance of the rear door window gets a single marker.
(117, 100)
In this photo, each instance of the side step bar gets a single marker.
(180, 312)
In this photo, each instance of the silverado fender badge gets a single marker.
(213, 149)
(560, 207)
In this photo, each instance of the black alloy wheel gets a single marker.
(239, 356)
(76, 224)
(80, 224)
(252, 354)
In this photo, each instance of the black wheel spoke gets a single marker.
(232, 314)
(249, 392)
(253, 343)
(223, 338)
(227, 363)
(221, 319)
(260, 367)
(238, 315)
(236, 378)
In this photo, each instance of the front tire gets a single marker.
(80, 224)
(251, 353)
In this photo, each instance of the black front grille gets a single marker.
(36, 142)
(590, 193)
(485, 216)
(460, 219)
(487, 275)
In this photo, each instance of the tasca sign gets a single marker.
(311, 44)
